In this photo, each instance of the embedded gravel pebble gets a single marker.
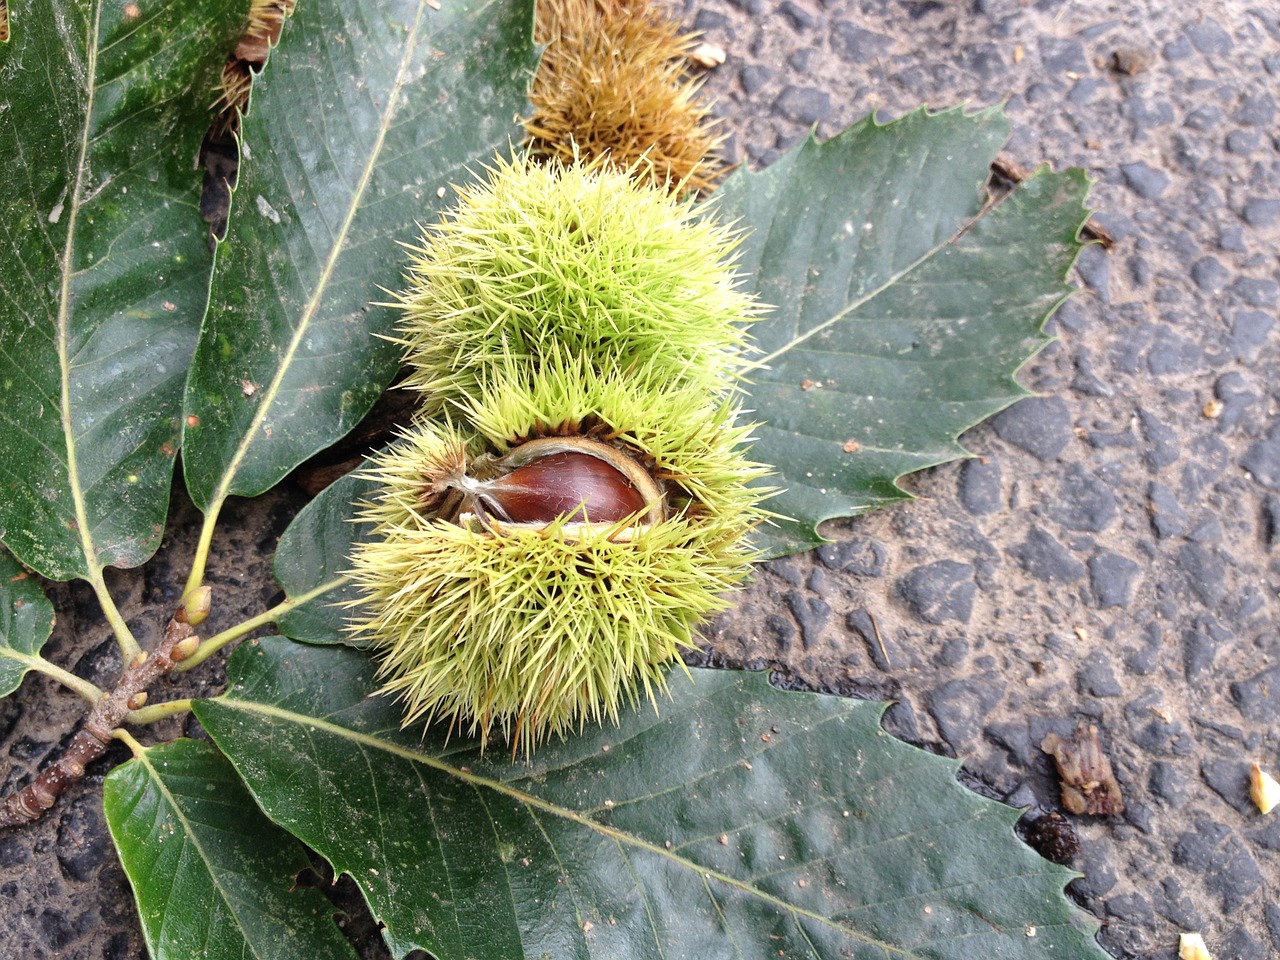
(1108, 556)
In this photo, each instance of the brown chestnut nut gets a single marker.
(571, 478)
(576, 486)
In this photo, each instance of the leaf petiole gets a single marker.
(157, 712)
(201, 559)
(215, 643)
(91, 693)
(137, 749)
(129, 649)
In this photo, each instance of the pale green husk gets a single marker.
(535, 632)
(543, 259)
(560, 303)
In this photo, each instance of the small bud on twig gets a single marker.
(91, 740)
(184, 648)
(196, 605)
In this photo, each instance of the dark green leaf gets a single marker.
(26, 620)
(903, 304)
(212, 876)
(106, 276)
(742, 822)
(313, 552)
(368, 112)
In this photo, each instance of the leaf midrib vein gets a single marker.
(272, 391)
(853, 305)
(697, 697)
(192, 842)
(64, 301)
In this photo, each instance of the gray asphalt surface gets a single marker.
(1109, 557)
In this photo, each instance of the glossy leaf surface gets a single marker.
(903, 303)
(213, 877)
(741, 822)
(26, 620)
(106, 271)
(313, 552)
(367, 113)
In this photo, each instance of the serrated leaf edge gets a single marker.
(528, 800)
(775, 547)
(810, 142)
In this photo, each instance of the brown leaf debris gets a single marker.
(1088, 783)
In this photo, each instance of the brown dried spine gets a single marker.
(613, 89)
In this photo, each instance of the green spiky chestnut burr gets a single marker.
(544, 259)
(573, 498)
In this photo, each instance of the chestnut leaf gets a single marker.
(26, 620)
(904, 299)
(740, 821)
(106, 268)
(312, 561)
(212, 876)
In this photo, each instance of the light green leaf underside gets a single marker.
(902, 304)
(367, 114)
(26, 620)
(102, 109)
(741, 822)
(212, 876)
